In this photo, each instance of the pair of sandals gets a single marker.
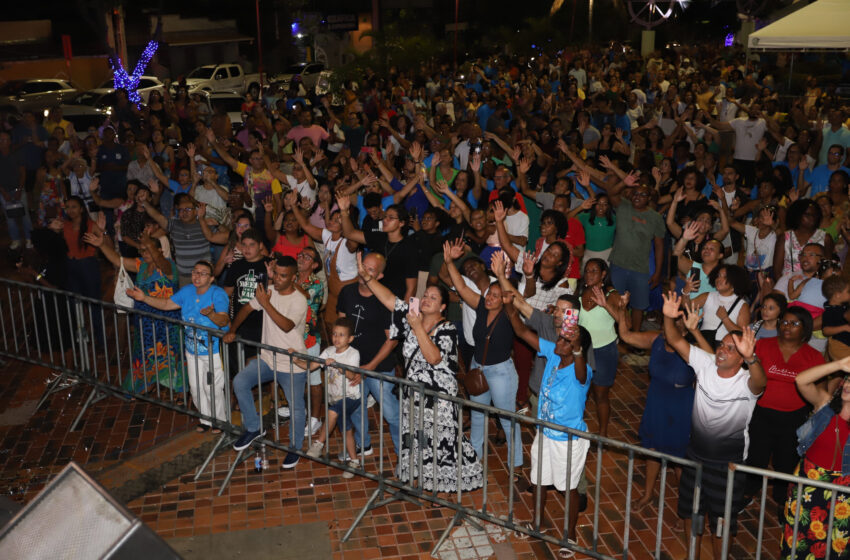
(203, 428)
(563, 552)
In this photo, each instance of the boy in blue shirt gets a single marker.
(207, 305)
(563, 394)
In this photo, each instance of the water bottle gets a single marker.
(265, 461)
(258, 464)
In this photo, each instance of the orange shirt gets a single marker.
(73, 240)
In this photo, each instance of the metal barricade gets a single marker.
(59, 330)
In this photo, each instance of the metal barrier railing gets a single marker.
(91, 342)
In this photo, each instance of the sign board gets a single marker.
(341, 22)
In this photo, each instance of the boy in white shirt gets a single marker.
(342, 396)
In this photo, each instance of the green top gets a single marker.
(633, 239)
(599, 236)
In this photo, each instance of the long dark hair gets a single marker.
(559, 270)
(85, 220)
(606, 276)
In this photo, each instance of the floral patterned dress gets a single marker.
(156, 354)
(50, 200)
(315, 289)
(439, 417)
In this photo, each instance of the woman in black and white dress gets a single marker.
(429, 346)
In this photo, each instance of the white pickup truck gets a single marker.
(223, 78)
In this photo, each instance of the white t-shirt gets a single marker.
(759, 251)
(303, 188)
(346, 261)
(336, 376)
(216, 206)
(711, 321)
(294, 307)
(722, 411)
(782, 149)
(747, 134)
(517, 225)
(468, 313)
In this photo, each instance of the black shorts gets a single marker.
(712, 500)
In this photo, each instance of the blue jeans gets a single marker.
(293, 387)
(636, 283)
(26, 223)
(503, 381)
(376, 387)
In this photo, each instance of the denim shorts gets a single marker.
(636, 283)
(351, 405)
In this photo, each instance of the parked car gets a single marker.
(232, 105)
(35, 95)
(305, 72)
(146, 85)
(88, 109)
(223, 78)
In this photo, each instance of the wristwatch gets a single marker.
(752, 360)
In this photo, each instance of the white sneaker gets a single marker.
(351, 465)
(315, 449)
(313, 427)
(28, 245)
(283, 412)
(16, 244)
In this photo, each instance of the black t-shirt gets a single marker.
(401, 260)
(427, 245)
(371, 321)
(244, 277)
(501, 341)
(833, 316)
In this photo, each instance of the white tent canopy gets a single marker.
(822, 25)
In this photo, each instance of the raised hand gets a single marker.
(190, 150)
(361, 270)
(291, 199)
(597, 296)
(268, 204)
(672, 301)
(298, 156)
(631, 180)
(475, 166)
(154, 186)
(528, 262)
(588, 202)
(524, 165)
(499, 212)
(416, 151)
(656, 174)
(692, 316)
(202, 211)
(623, 302)
(745, 343)
(691, 230)
(94, 185)
(435, 159)
(766, 217)
(94, 239)
(679, 195)
(498, 263)
(343, 202)
(583, 178)
(441, 187)
(605, 161)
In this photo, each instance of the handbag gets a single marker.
(474, 380)
(122, 284)
(711, 334)
(15, 208)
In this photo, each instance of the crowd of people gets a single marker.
(522, 219)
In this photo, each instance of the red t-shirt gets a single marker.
(287, 249)
(574, 238)
(823, 451)
(781, 391)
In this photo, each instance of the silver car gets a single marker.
(35, 95)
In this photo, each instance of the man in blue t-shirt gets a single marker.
(206, 305)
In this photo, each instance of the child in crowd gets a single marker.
(771, 310)
(836, 316)
(340, 397)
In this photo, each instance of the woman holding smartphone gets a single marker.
(494, 337)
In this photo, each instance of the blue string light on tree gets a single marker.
(130, 82)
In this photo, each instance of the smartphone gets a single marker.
(414, 305)
(695, 275)
(570, 321)
(367, 150)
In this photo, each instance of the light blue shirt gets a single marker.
(562, 396)
(190, 302)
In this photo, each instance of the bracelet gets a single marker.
(751, 361)
(576, 353)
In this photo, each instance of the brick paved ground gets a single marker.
(115, 431)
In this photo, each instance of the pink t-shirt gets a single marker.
(315, 132)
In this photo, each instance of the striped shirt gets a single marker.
(190, 245)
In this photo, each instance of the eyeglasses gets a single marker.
(642, 194)
(200, 273)
(834, 153)
(304, 255)
(185, 210)
(390, 218)
(786, 323)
